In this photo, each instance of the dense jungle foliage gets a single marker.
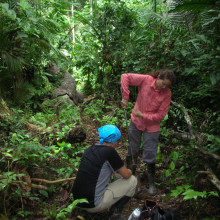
(96, 41)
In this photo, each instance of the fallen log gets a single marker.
(6, 114)
(75, 135)
(211, 176)
(215, 156)
(190, 135)
(187, 118)
(181, 135)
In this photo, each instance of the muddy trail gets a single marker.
(186, 210)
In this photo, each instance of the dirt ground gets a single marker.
(184, 208)
(188, 210)
(134, 202)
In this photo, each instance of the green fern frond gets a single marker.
(13, 63)
(23, 91)
(48, 26)
(46, 45)
(192, 5)
(209, 17)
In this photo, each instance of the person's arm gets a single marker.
(130, 79)
(155, 116)
(161, 113)
(124, 172)
(117, 164)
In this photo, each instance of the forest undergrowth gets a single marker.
(38, 165)
(35, 156)
(193, 209)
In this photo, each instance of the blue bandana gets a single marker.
(109, 133)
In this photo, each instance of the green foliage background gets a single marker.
(97, 41)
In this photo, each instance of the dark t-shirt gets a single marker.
(95, 170)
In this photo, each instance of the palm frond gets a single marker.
(191, 5)
(47, 26)
(23, 91)
(47, 46)
(189, 12)
(13, 63)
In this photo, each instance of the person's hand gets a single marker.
(124, 103)
(114, 174)
(137, 113)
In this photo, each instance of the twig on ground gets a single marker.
(52, 181)
(215, 156)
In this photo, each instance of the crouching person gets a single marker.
(98, 164)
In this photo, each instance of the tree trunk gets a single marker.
(91, 11)
(73, 27)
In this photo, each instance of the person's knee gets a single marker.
(132, 181)
(107, 200)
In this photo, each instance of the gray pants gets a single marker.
(150, 143)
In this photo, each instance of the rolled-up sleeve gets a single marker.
(162, 111)
(130, 79)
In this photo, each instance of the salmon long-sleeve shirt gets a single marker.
(154, 104)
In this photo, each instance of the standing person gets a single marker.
(152, 104)
(98, 164)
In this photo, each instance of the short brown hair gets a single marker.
(167, 74)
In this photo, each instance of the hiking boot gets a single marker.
(116, 215)
(151, 174)
(144, 176)
(116, 209)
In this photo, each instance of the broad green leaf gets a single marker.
(5, 6)
(176, 192)
(187, 186)
(172, 165)
(54, 210)
(45, 193)
(166, 117)
(202, 37)
(192, 194)
(212, 193)
(8, 173)
(167, 173)
(184, 53)
(213, 78)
